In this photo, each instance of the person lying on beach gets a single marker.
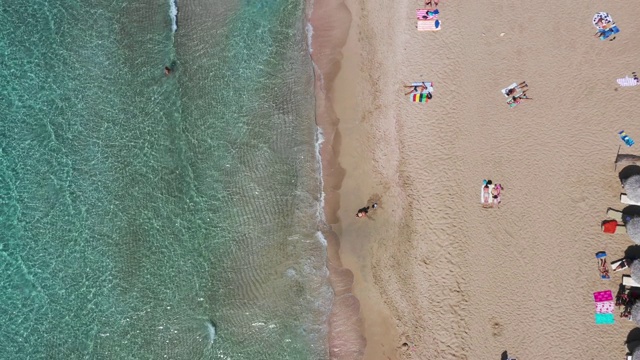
(514, 90)
(602, 265)
(495, 194)
(416, 89)
(486, 195)
(362, 212)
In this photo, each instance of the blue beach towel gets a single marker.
(627, 140)
(605, 319)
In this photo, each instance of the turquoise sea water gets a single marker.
(153, 217)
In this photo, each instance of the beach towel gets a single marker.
(429, 25)
(605, 319)
(605, 295)
(424, 95)
(427, 14)
(512, 86)
(601, 257)
(422, 98)
(626, 139)
(482, 196)
(628, 81)
(605, 17)
(605, 307)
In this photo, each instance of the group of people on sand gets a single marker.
(491, 194)
(517, 97)
(362, 212)
(418, 89)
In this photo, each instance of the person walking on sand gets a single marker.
(363, 212)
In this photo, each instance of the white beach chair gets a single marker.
(614, 265)
(628, 281)
(625, 200)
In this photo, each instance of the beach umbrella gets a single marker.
(635, 313)
(633, 229)
(636, 353)
(632, 187)
(635, 271)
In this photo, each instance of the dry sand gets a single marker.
(431, 267)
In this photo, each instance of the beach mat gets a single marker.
(627, 81)
(420, 13)
(605, 307)
(429, 25)
(420, 98)
(605, 295)
(604, 319)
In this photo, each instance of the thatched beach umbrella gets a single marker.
(633, 229)
(632, 187)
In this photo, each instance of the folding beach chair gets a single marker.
(619, 265)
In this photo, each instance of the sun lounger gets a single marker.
(625, 200)
(427, 14)
(628, 281)
(429, 25)
(619, 265)
(614, 214)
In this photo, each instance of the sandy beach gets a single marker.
(435, 275)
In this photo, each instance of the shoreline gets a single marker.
(360, 325)
(327, 36)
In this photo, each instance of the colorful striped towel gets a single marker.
(428, 25)
(605, 307)
(422, 97)
(427, 14)
(600, 296)
(605, 319)
(628, 81)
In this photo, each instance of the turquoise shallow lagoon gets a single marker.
(145, 216)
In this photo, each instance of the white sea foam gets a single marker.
(318, 146)
(309, 29)
(173, 13)
(212, 331)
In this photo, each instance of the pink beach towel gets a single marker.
(627, 81)
(423, 12)
(600, 296)
(605, 307)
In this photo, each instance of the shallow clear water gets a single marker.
(140, 212)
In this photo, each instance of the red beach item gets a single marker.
(609, 227)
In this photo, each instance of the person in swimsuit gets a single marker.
(362, 212)
(167, 71)
(486, 195)
(416, 89)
